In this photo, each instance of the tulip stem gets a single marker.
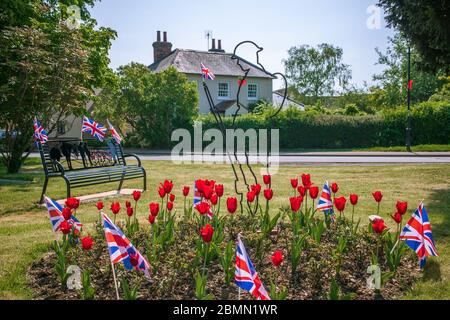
(353, 213)
(206, 257)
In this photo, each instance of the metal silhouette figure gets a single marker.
(222, 128)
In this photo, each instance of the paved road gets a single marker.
(320, 158)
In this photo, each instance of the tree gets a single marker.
(47, 79)
(392, 89)
(425, 24)
(151, 104)
(317, 71)
(47, 69)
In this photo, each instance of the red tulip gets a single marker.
(199, 184)
(127, 204)
(154, 208)
(115, 207)
(73, 203)
(161, 192)
(231, 204)
(397, 216)
(296, 203)
(339, 203)
(277, 258)
(301, 190)
(136, 195)
(207, 192)
(100, 205)
(378, 226)
(87, 243)
(294, 183)
(214, 199)
(402, 207)
(168, 185)
(256, 188)
(172, 197)
(130, 211)
(210, 183)
(313, 192)
(207, 233)
(203, 207)
(185, 191)
(266, 178)
(306, 180)
(377, 195)
(151, 219)
(134, 259)
(169, 206)
(67, 213)
(219, 190)
(268, 194)
(334, 187)
(353, 199)
(65, 227)
(251, 196)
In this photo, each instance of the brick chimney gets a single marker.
(219, 46)
(161, 49)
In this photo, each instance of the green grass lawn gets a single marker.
(25, 231)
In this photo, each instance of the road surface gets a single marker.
(318, 158)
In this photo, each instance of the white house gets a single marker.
(227, 74)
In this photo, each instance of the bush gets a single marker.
(310, 129)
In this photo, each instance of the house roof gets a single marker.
(220, 63)
(279, 93)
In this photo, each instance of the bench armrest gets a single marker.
(133, 156)
(60, 167)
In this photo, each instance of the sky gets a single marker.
(275, 25)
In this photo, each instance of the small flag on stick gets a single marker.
(55, 212)
(246, 276)
(39, 133)
(418, 236)
(121, 249)
(97, 130)
(114, 133)
(206, 73)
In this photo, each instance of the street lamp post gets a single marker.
(408, 127)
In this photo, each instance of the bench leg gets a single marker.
(145, 180)
(120, 185)
(44, 189)
(68, 188)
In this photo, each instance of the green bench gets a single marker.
(81, 165)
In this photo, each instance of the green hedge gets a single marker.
(430, 125)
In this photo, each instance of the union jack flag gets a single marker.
(39, 133)
(197, 195)
(246, 276)
(114, 133)
(94, 128)
(121, 249)
(206, 73)
(418, 236)
(55, 212)
(325, 204)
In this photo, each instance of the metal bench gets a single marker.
(81, 165)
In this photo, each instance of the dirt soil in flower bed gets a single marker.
(173, 275)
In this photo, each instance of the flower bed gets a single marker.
(299, 252)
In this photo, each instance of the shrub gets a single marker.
(310, 129)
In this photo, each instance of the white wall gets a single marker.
(264, 91)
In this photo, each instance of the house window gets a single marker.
(61, 127)
(252, 91)
(223, 91)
